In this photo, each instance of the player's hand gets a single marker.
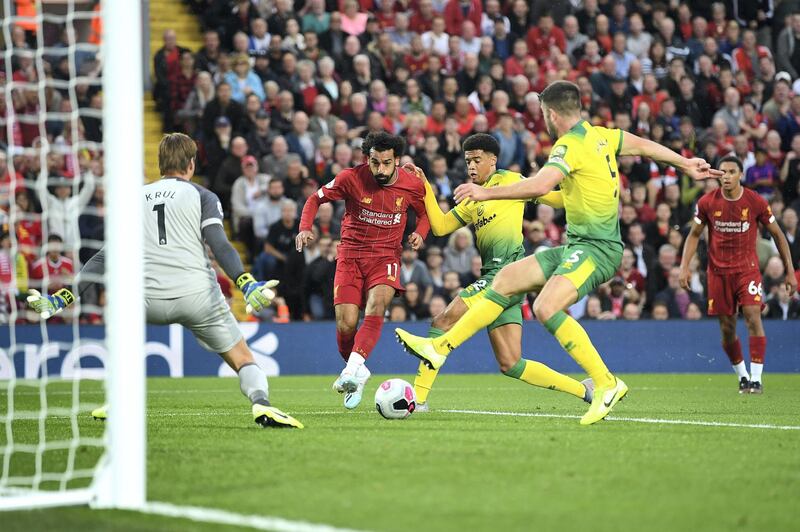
(416, 241)
(302, 239)
(791, 283)
(416, 170)
(684, 279)
(470, 191)
(698, 169)
(259, 295)
(48, 306)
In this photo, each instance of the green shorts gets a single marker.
(586, 265)
(475, 291)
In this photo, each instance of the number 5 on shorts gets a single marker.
(575, 257)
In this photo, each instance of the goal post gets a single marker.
(125, 332)
(29, 400)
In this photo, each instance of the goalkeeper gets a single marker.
(180, 217)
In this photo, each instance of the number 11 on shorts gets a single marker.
(391, 271)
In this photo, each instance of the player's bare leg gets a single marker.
(758, 345)
(559, 293)
(733, 348)
(354, 377)
(253, 384)
(506, 343)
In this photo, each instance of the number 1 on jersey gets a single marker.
(162, 226)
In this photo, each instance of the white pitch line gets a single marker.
(633, 420)
(222, 517)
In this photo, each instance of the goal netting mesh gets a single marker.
(51, 373)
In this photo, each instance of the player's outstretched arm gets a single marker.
(48, 305)
(689, 249)
(786, 255)
(695, 168)
(257, 294)
(441, 223)
(554, 199)
(543, 182)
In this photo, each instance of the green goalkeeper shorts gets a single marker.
(586, 265)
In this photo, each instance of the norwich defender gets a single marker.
(583, 162)
(497, 225)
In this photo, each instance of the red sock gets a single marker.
(367, 335)
(758, 346)
(734, 351)
(345, 342)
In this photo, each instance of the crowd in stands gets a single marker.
(282, 93)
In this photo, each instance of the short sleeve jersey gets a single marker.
(498, 223)
(375, 216)
(175, 258)
(587, 156)
(732, 229)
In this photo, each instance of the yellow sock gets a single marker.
(423, 382)
(540, 375)
(480, 315)
(575, 341)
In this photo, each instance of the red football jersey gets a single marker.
(375, 216)
(60, 273)
(732, 229)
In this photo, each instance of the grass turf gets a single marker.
(450, 471)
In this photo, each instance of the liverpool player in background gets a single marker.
(732, 214)
(377, 197)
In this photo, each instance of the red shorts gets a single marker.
(728, 291)
(354, 278)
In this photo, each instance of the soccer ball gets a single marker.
(395, 399)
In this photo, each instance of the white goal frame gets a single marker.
(120, 477)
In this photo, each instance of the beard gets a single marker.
(551, 129)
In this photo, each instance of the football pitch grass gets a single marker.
(681, 452)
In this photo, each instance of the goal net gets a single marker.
(70, 155)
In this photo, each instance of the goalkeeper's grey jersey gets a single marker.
(175, 259)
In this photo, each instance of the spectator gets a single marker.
(353, 21)
(631, 312)
(774, 275)
(474, 272)
(787, 44)
(300, 141)
(748, 54)
(676, 298)
(62, 207)
(207, 57)
(763, 176)
(628, 272)
(261, 137)
(279, 244)
(397, 312)
(54, 268)
(229, 171)
(459, 252)
(189, 116)
(789, 224)
(413, 270)
(457, 11)
(267, 209)
(165, 61)
(693, 311)
(246, 190)
(222, 105)
(417, 310)
(451, 286)
(659, 311)
(259, 36)
(277, 162)
(638, 40)
(782, 306)
(657, 278)
(332, 40)
(318, 282)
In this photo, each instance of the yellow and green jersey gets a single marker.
(587, 156)
(497, 222)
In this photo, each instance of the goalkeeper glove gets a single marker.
(48, 306)
(258, 295)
